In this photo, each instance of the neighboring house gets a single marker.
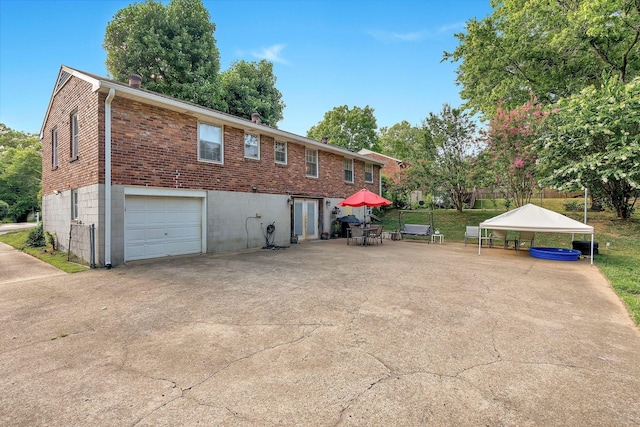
(392, 166)
(157, 176)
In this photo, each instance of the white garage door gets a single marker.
(162, 226)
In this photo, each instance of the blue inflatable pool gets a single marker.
(556, 254)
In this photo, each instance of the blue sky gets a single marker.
(384, 54)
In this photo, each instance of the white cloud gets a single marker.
(458, 26)
(390, 36)
(271, 53)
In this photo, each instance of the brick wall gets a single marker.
(391, 167)
(75, 95)
(155, 147)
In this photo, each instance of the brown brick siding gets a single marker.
(149, 144)
(75, 95)
(391, 168)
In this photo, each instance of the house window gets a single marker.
(74, 204)
(348, 170)
(311, 162)
(368, 172)
(74, 135)
(251, 146)
(54, 148)
(280, 152)
(210, 146)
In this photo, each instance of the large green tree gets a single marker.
(20, 172)
(172, 47)
(592, 140)
(454, 135)
(552, 48)
(405, 142)
(351, 128)
(249, 87)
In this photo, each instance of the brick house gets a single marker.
(155, 176)
(392, 166)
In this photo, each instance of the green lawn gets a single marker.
(619, 260)
(58, 259)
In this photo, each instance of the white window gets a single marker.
(251, 146)
(74, 204)
(54, 148)
(311, 162)
(210, 146)
(74, 135)
(280, 152)
(368, 172)
(348, 170)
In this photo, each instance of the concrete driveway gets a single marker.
(321, 334)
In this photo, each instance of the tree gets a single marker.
(353, 129)
(249, 87)
(552, 48)
(405, 142)
(593, 140)
(454, 135)
(171, 47)
(415, 177)
(20, 172)
(511, 149)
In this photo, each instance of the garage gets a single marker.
(162, 226)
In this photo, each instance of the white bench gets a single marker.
(417, 230)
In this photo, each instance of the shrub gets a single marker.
(572, 206)
(52, 239)
(36, 237)
(4, 209)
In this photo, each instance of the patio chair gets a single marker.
(473, 232)
(525, 236)
(355, 233)
(375, 235)
(498, 235)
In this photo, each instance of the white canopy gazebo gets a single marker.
(534, 218)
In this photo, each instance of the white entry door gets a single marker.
(305, 219)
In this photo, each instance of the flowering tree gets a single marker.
(511, 149)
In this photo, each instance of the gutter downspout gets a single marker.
(107, 177)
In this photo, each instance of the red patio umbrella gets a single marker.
(364, 197)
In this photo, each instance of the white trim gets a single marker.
(286, 152)
(352, 170)
(245, 145)
(219, 126)
(163, 192)
(365, 172)
(317, 175)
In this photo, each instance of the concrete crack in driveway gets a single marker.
(53, 338)
(248, 356)
(390, 373)
(174, 386)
